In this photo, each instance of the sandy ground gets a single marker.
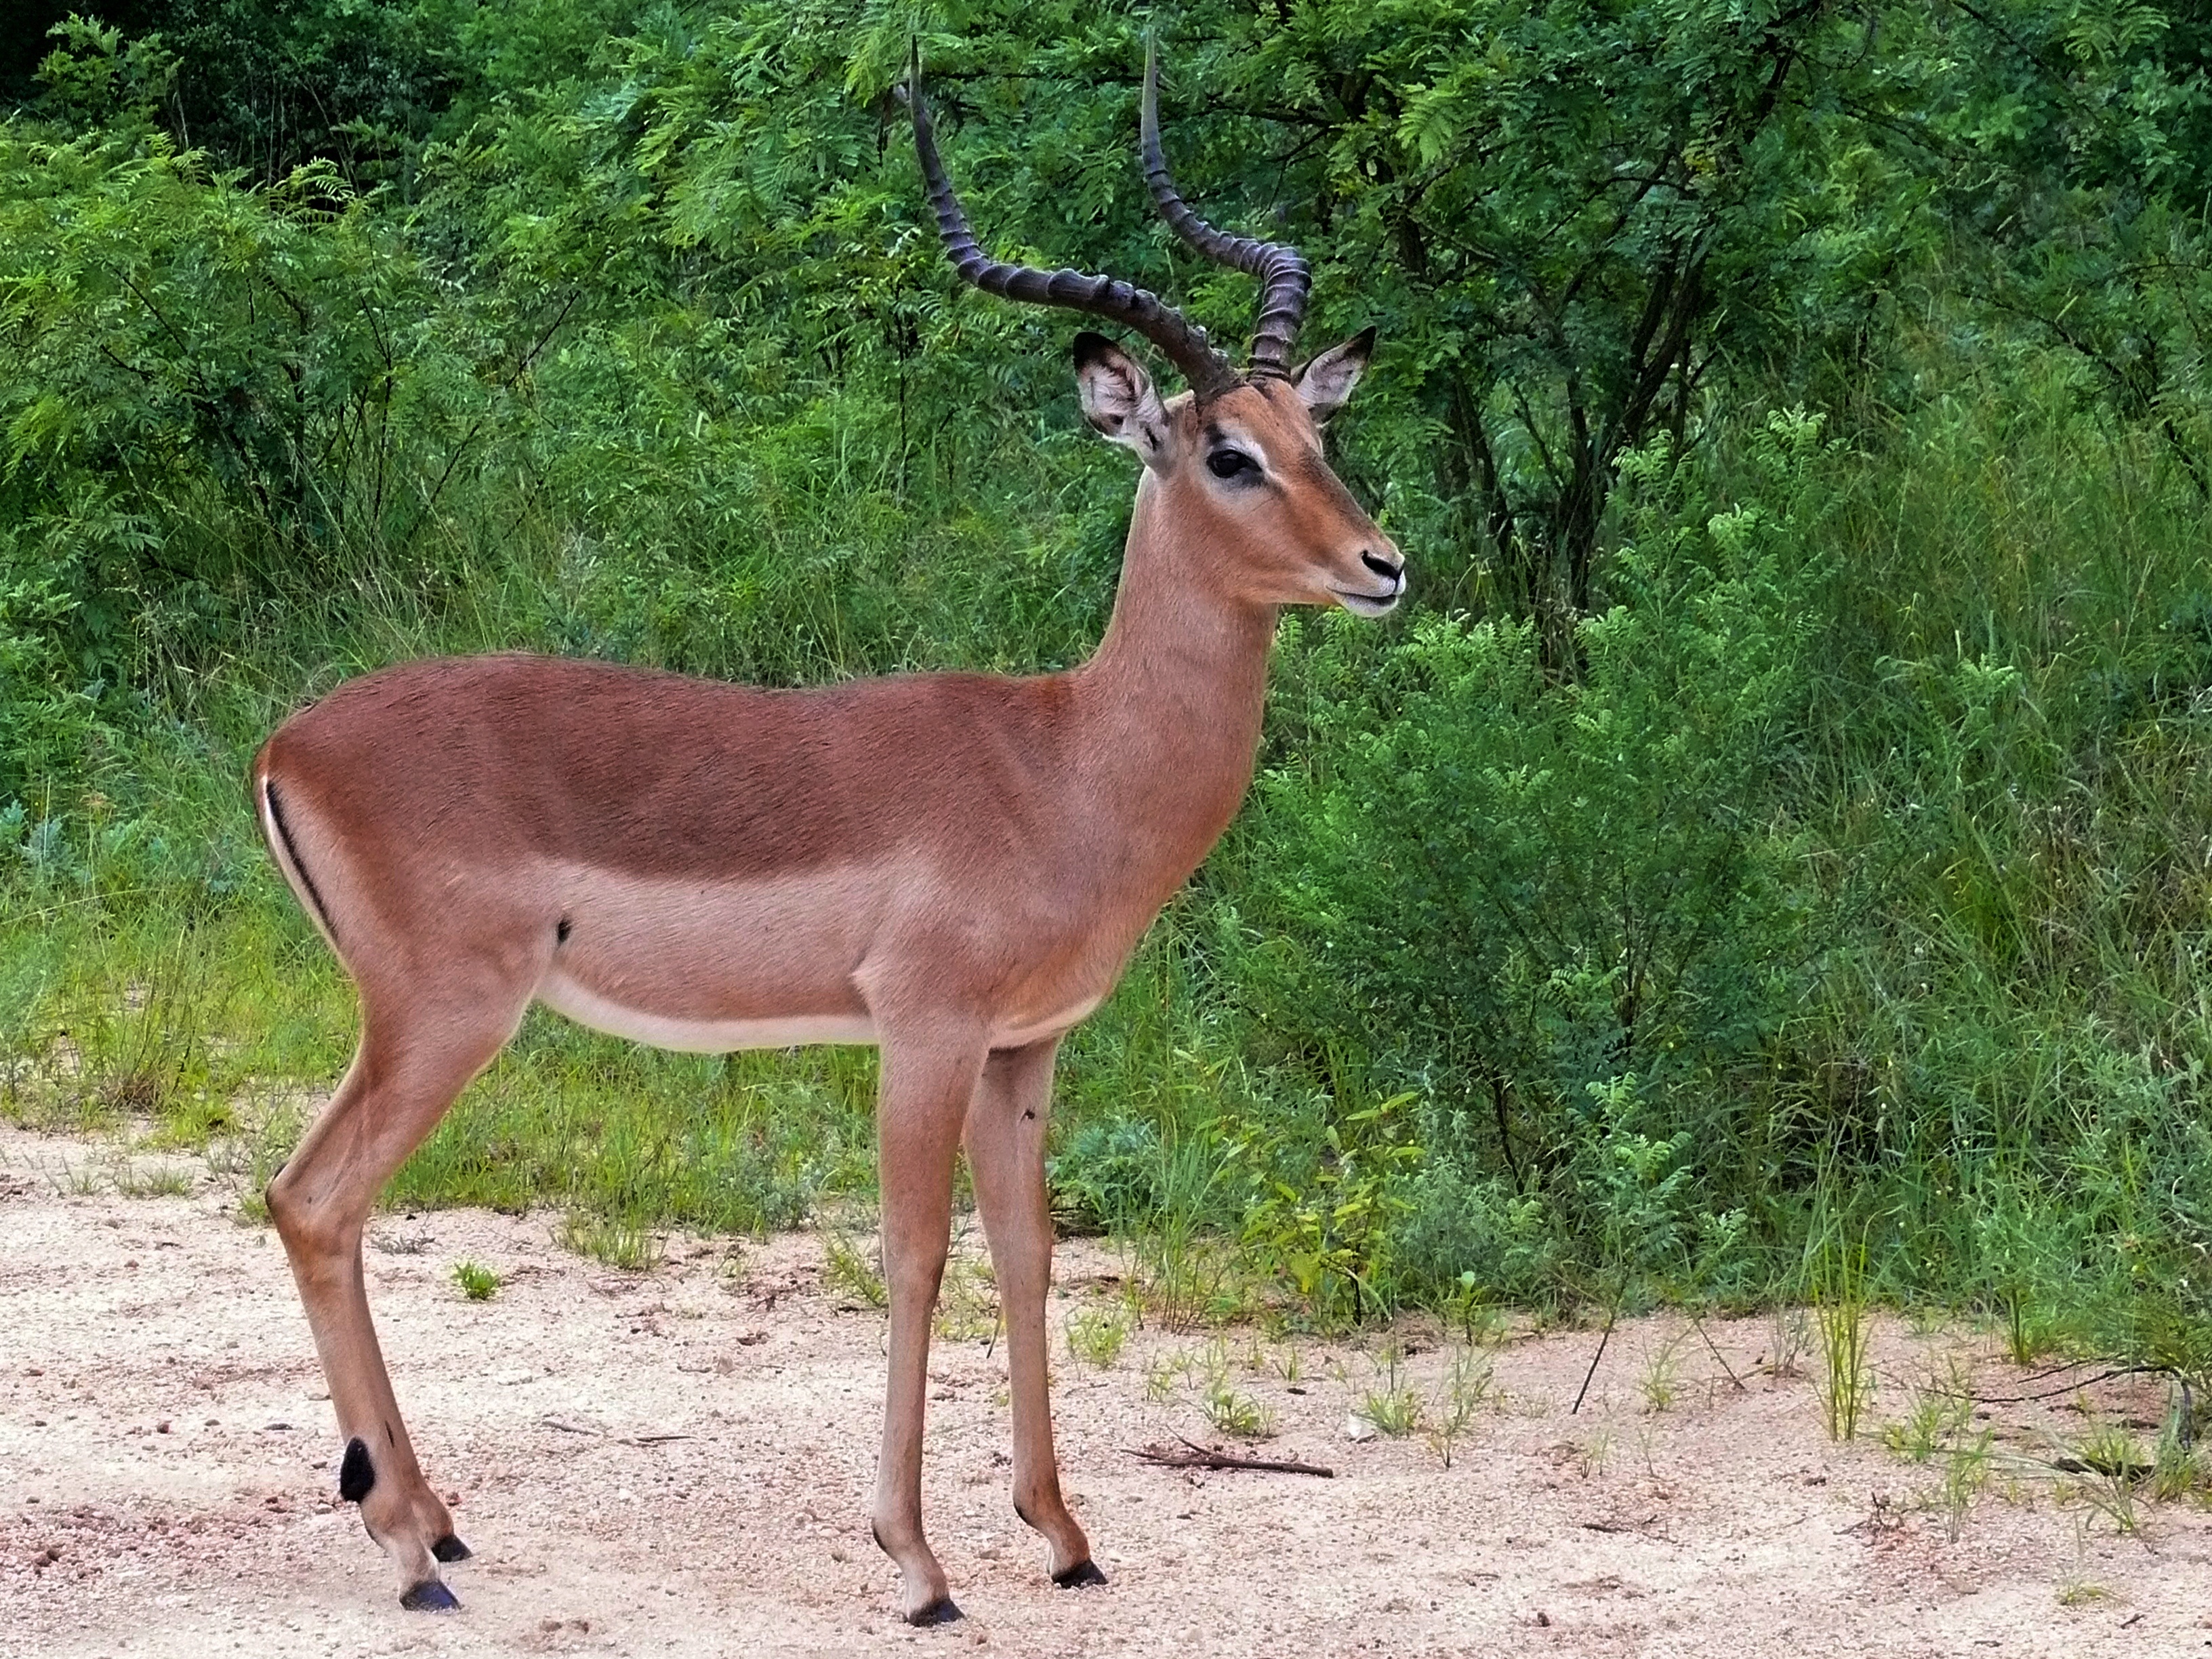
(677, 1463)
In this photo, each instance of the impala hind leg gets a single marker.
(924, 1096)
(404, 1075)
(1005, 1157)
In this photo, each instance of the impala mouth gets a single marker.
(1370, 604)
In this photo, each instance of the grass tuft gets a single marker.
(1095, 1335)
(478, 1282)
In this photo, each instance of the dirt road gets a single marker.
(677, 1463)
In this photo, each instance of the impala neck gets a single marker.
(1176, 690)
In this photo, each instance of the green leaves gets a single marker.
(1572, 901)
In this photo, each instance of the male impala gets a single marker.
(953, 866)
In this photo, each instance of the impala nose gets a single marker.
(1393, 568)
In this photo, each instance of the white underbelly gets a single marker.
(716, 1036)
(1020, 1034)
(703, 1037)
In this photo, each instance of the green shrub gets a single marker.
(1519, 895)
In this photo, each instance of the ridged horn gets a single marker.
(1208, 371)
(1284, 277)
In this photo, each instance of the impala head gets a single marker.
(1235, 461)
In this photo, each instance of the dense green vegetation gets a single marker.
(1777, 834)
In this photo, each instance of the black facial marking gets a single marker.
(356, 1475)
(561, 932)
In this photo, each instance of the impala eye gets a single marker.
(1231, 464)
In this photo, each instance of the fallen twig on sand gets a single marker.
(608, 1434)
(2115, 1369)
(1192, 1455)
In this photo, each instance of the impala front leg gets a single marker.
(1005, 1156)
(928, 1079)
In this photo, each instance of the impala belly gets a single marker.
(694, 1034)
(714, 1036)
(713, 966)
(710, 967)
(1019, 1033)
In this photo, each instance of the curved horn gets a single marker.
(1284, 276)
(1208, 371)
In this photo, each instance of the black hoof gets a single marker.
(942, 1610)
(1082, 1573)
(430, 1596)
(450, 1548)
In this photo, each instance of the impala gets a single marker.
(954, 867)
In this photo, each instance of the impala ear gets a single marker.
(1118, 398)
(1325, 382)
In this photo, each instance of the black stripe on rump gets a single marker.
(292, 852)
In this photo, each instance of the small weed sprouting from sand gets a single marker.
(75, 1180)
(1591, 1455)
(1921, 1434)
(1793, 1340)
(2028, 1329)
(847, 1267)
(1661, 1382)
(1095, 1336)
(966, 1301)
(1165, 1374)
(136, 1180)
(2077, 1588)
(2112, 1465)
(478, 1282)
(1965, 1474)
(1846, 1383)
(1937, 1426)
(1940, 1412)
(1235, 1413)
(629, 1246)
(1393, 1407)
(1206, 1375)
(2179, 1464)
(1466, 1383)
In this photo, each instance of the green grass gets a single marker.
(1393, 1405)
(1095, 1335)
(476, 1281)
